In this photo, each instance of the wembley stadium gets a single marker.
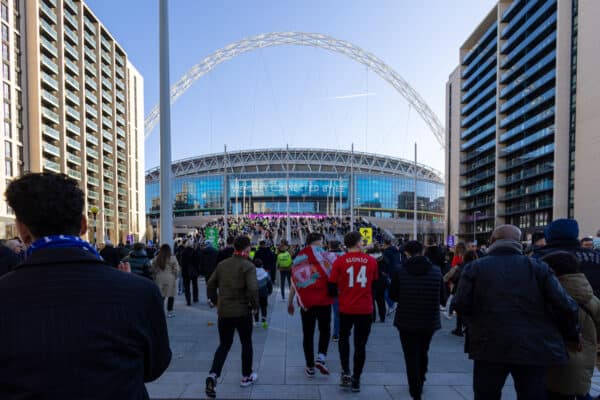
(318, 181)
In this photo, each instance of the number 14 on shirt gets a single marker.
(361, 277)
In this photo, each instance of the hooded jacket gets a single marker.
(575, 377)
(416, 288)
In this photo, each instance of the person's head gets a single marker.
(258, 263)
(562, 262)
(108, 243)
(471, 246)
(587, 243)
(431, 242)
(538, 239)
(207, 243)
(562, 229)
(335, 246)
(387, 242)
(139, 246)
(470, 255)
(46, 204)
(314, 239)
(506, 232)
(164, 254)
(353, 240)
(15, 245)
(262, 243)
(413, 249)
(241, 244)
(230, 240)
(460, 249)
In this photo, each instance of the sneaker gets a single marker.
(170, 314)
(249, 380)
(442, 308)
(355, 385)
(391, 310)
(310, 372)
(211, 385)
(320, 364)
(346, 380)
(335, 338)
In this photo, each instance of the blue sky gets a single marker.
(270, 97)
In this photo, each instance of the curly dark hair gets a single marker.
(351, 239)
(47, 203)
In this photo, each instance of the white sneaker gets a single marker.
(170, 315)
(249, 380)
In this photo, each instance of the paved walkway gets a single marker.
(279, 361)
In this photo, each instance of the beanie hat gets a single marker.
(562, 229)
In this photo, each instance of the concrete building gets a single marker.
(83, 105)
(522, 112)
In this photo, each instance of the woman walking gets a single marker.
(164, 270)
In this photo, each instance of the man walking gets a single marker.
(72, 327)
(265, 254)
(416, 289)
(284, 264)
(234, 288)
(351, 279)
(505, 298)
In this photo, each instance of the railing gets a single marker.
(50, 132)
(93, 167)
(74, 144)
(49, 46)
(72, 81)
(50, 98)
(51, 115)
(74, 159)
(46, 27)
(52, 166)
(92, 125)
(73, 113)
(91, 97)
(73, 128)
(51, 149)
(93, 181)
(91, 152)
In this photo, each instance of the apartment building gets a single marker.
(77, 109)
(522, 111)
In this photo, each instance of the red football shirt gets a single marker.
(354, 273)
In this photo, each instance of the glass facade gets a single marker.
(375, 195)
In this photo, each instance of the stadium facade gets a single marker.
(320, 182)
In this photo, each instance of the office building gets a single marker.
(522, 114)
(78, 110)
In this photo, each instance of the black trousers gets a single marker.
(379, 300)
(283, 275)
(170, 302)
(190, 293)
(362, 330)
(489, 378)
(310, 318)
(227, 328)
(415, 345)
(262, 303)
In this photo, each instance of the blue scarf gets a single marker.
(61, 241)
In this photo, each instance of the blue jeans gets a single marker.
(336, 318)
(389, 301)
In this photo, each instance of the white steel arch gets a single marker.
(303, 39)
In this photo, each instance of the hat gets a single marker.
(208, 243)
(562, 229)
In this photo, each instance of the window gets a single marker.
(8, 166)
(6, 91)
(6, 71)
(7, 129)
(7, 149)
(5, 34)
(7, 110)
(5, 52)
(4, 12)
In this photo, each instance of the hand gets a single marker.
(291, 308)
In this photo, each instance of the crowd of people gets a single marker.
(68, 311)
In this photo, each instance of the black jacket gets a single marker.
(189, 263)
(508, 301)
(73, 328)
(111, 256)
(8, 260)
(224, 254)
(208, 261)
(589, 259)
(393, 259)
(416, 288)
(267, 257)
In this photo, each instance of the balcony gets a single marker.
(92, 139)
(528, 190)
(108, 161)
(106, 83)
(72, 82)
(47, 12)
(48, 63)
(530, 123)
(74, 174)
(538, 170)
(120, 60)
(91, 69)
(93, 181)
(534, 206)
(122, 192)
(109, 174)
(89, 25)
(74, 129)
(50, 81)
(478, 190)
(121, 157)
(91, 83)
(121, 168)
(107, 135)
(74, 159)
(50, 48)
(71, 35)
(50, 132)
(91, 97)
(123, 215)
(51, 149)
(52, 166)
(48, 29)
(92, 125)
(71, 5)
(93, 167)
(122, 180)
(72, 97)
(107, 110)
(107, 148)
(50, 98)
(71, 66)
(107, 123)
(93, 195)
(108, 212)
(109, 199)
(120, 108)
(74, 144)
(110, 187)
(120, 84)
(50, 115)
(91, 111)
(121, 144)
(122, 203)
(71, 20)
(106, 44)
(120, 120)
(90, 40)
(121, 132)
(106, 70)
(528, 157)
(71, 112)
(120, 72)
(91, 152)
(107, 97)
(120, 96)
(109, 225)
(90, 55)
(72, 51)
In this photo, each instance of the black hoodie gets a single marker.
(416, 288)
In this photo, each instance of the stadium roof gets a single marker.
(300, 161)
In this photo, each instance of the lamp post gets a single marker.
(94, 210)
(475, 226)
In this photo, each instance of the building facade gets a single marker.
(81, 112)
(317, 181)
(521, 115)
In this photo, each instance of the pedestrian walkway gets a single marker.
(279, 362)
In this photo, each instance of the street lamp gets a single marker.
(94, 210)
(475, 226)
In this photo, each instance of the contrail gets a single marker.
(349, 96)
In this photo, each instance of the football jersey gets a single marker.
(354, 273)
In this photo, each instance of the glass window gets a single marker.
(5, 34)
(7, 110)
(8, 168)
(4, 12)
(7, 129)
(7, 149)
(6, 71)
(6, 91)
(5, 52)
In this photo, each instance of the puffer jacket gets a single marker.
(139, 262)
(575, 377)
